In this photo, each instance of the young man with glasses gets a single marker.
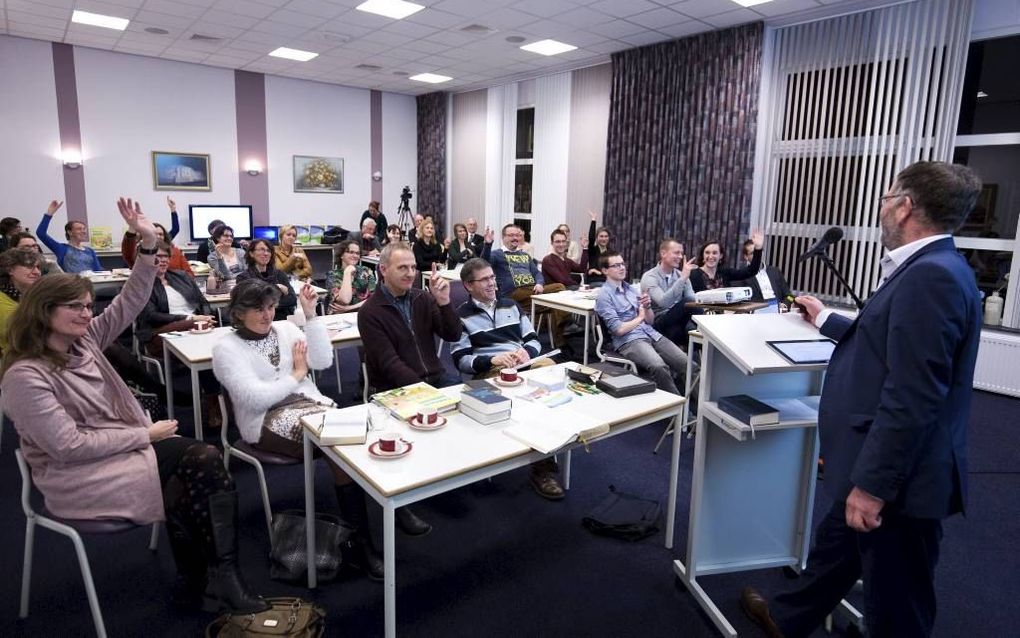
(628, 316)
(497, 335)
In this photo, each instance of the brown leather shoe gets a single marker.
(757, 609)
(547, 486)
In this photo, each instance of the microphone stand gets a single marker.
(832, 268)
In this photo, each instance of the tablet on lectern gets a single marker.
(805, 350)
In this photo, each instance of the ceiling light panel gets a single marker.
(750, 3)
(293, 54)
(396, 9)
(430, 78)
(548, 47)
(99, 20)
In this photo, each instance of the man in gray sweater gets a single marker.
(669, 287)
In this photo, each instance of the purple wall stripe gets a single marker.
(70, 129)
(375, 117)
(250, 101)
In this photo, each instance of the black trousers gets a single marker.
(673, 324)
(897, 562)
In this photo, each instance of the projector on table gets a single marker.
(723, 295)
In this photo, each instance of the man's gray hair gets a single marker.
(389, 249)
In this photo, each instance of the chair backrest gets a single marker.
(604, 348)
(26, 483)
(224, 415)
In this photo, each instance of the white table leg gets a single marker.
(196, 400)
(310, 508)
(566, 471)
(389, 570)
(587, 331)
(674, 472)
(169, 381)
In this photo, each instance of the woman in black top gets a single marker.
(710, 274)
(460, 248)
(260, 266)
(597, 245)
(427, 249)
(157, 312)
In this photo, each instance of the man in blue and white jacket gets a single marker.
(498, 335)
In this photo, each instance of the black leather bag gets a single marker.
(335, 235)
(291, 617)
(289, 556)
(625, 516)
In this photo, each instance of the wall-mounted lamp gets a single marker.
(377, 176)
(71, 158)
(253, 167)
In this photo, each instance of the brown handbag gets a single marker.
(292, 617)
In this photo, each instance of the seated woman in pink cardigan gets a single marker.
(94, 453)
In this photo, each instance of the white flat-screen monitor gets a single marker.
(237, 216)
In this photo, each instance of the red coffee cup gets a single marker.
(388, 441)
(201, 325)
(508, 375)
(428, 416)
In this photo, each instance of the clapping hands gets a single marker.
(439, 288)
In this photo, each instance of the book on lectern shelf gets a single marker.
(748, 410)
(405, 402)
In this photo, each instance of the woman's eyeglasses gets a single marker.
(77, 306)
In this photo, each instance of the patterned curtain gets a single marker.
(680, 157)
(431, 193)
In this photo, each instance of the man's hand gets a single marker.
(811, 306)
(584, 243)
(489, 235)
(538, 289)
(137, 222)
(504, 360)
(53, 207)
(172, 204)
(439, 288)
(162, 430)
(688, 266)
(863, 511)
(308, 299)
(758, 237)
(211, 320)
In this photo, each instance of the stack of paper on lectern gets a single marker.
(548, 429)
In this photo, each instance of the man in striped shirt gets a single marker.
(498, 335)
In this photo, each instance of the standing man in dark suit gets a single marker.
(893, 418)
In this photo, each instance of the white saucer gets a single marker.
(403, 447)
(418, 425)
(508, 384)
(196, 331)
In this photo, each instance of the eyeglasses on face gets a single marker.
(619, 264)
(352, 252)
(162, 257)
(77, 306)
(883, 198)
(490, 278)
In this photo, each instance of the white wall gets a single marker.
(30, 170)
(130, 106)
(995, 18)
(400, 151)
(311, 118)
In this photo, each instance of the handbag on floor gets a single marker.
(289, 555)
(285, 617)
(625, 516)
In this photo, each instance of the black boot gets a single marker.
(189, 588)
(410, 523)
(359, 549)
(225, 581)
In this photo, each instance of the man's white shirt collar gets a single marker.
(892, 260)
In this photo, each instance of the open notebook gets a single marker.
(548, 429)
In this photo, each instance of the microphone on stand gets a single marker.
(830, 237)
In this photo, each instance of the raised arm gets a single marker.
(175, 222)
(42, 232)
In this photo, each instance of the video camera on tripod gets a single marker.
(404, 210)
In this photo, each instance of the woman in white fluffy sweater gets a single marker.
(263, 366)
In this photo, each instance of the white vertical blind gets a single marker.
(852, 100)
(468, 162)
(501, 133)
(552, 154)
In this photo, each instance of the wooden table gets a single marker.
(464, 452)
(195, 352)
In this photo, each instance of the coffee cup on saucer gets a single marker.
(584, 288)
(388, 441)
(428, 416)
(201, 326)
(508, 375)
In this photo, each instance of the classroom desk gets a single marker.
(448, 274)
(218, 302)
(739, 308)
(573, 301)
(464, 452)
(195, 352)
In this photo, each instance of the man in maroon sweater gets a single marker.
(556, 267)
(398, 324)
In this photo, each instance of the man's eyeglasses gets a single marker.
(77, 306)
(162, 257)
(486, 280)
(617, 265)
(891, 196)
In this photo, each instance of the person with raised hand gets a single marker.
(72, 256)
(93, 451)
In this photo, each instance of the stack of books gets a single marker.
(484, 403)
(407, 401)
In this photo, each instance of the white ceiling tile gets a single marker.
(317, 8)
(410, 29)
(425, 46)
(294, 18)
(20, 17)
(231, 19)
(609, 46)
(782, 7)
(685, 29)
(362, 19)
(466, 8)
(67, 4)
(646, 37)
(134, 4)
(176, 9)
(617, 29)
(656, 18)
(35, 31)
(161, 20)
(279, 28)
(703, 8)
(624, 8)
(377, 45)
(218, 30)
(245, 8)
(452, 38)
(439, 19)
(507, 19)
(543, 8)
(583, 17)
(39, 9)
(731, 18)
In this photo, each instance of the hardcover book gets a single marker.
(344, 427)
(748, 410)
(405, 402)
(486, 400)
